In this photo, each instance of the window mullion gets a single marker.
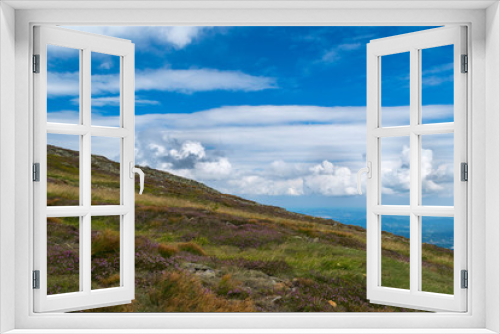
(414, 170)
(86, 171)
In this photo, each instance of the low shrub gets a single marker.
(230, 288)
(105, 242)
(180, 292)
(167, 250)
(192, 248)
(111, 281)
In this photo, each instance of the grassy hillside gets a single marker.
(198, 250)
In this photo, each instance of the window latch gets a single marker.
(134, 170)
(368, 171)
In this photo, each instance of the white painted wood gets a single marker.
(414, 172)
(492, 186)
(246, 4)
(7, 167)
(413, 43)
(406, 210)
(418, 129)
(471, 322)
(86, 298)
(259, 331)
(76, 129)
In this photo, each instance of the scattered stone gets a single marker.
(199, 269)
(209, 273)
(275, 299)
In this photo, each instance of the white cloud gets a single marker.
(175, 36)
(436, 80)
(336, 53)
(303, 115)
(163, 79)
(213, 170)
(115, 101)
(106, 65)
(437, 75)
(180, 36)
(187, 149)
(259, 185)
(436, 174)
(63, 84)
(199, 80)
(330, 180)
(282, 150)
(294, 150)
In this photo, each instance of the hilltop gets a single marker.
(199, 250)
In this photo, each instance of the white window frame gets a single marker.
(414, 43)
(483, 211)
(86, 44)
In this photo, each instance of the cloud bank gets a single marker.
(282, 150)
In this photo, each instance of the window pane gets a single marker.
(105, 90)
(395, 89)
(395, 170)
(63, 84)
(437, 254)
(437, 84)
(395, 251)
(437, 169)
(105, 252)
(63, 171)
(63, 255)
(106, 170)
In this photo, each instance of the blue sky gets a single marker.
(275, 114)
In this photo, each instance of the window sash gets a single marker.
(413, 43)
(86, 297)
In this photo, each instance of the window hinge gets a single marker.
(36, 63)
(465, 279)
(36, 279)
(465, 64)
(464, 171)
(36, 172)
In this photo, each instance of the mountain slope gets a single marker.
(198, 250)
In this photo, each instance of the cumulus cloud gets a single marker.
(180, 36)
(177, 37)
(330, 180)
(184, 158)
(437, 175)
(191, 159)
(280, 150)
